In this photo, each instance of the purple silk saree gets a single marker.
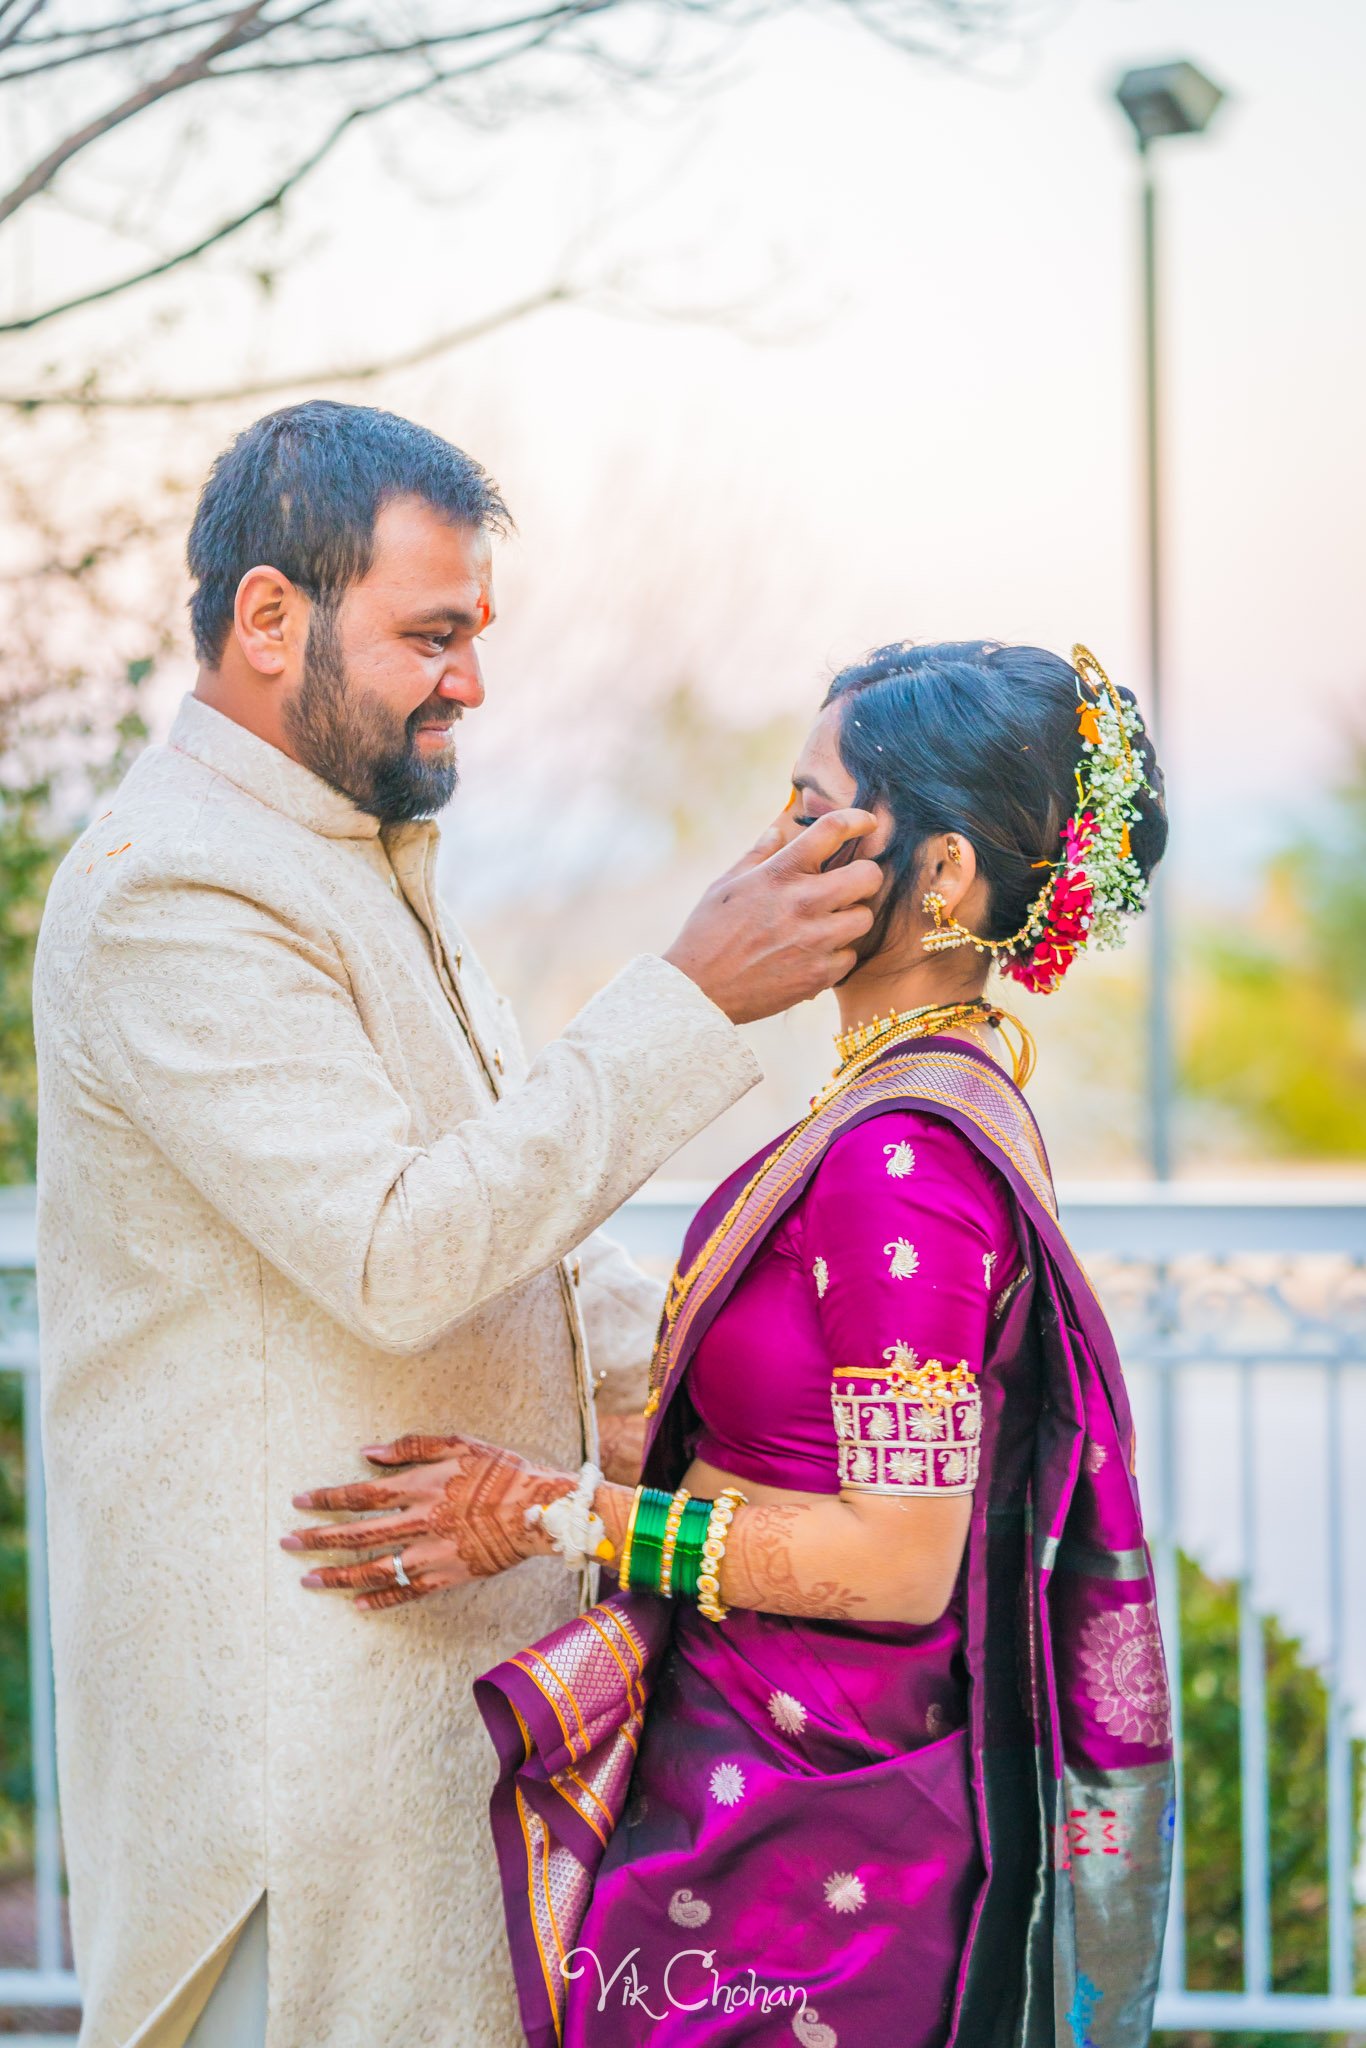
(985, 1873)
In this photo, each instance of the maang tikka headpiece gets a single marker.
(1095, 883)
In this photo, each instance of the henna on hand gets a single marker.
(462, 1510)
(482, 1509)
(414, 1450)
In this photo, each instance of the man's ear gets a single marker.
(270, 622)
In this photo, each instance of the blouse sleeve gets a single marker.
(902, 1243)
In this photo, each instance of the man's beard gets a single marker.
(354, 741)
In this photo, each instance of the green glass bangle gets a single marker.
(651, 1511)
(692, 1534)
(639, 1520)
(684, 1569)
(647, 1538)
(685, 1545)
(652, 1514)
(646, 1564)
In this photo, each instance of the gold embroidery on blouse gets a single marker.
(915, 1427)
(932, 1382)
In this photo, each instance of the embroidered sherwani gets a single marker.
(298, 1191)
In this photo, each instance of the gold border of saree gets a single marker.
(578, 1692)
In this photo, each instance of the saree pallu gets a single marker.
(1018, 1865)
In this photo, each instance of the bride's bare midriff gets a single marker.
(706, 1481)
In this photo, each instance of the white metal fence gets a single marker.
(1242, 1320)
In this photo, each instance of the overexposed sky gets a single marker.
(937, 435)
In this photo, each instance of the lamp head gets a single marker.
(1168, 99)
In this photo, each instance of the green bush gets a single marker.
(1278, 1024)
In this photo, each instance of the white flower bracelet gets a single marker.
(576, 1533)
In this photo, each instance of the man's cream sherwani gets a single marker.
(298, 1192)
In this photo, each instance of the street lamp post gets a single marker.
(1165, 99)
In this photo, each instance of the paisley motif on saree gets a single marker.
(1069, 1719)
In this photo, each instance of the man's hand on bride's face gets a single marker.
(452, 1507)
(786, 921)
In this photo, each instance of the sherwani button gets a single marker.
(498, 1057)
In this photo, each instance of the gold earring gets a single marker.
(955, 851)
(948, 934)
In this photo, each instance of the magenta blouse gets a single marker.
(849, 1354)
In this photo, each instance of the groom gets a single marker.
(300, 1191)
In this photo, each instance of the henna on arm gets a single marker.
(776, 1560)
(457, 1512)
(869, 1559)
(772, 1559)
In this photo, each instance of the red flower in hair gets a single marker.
(1066, 920)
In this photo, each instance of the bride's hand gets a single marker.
(453, 1508)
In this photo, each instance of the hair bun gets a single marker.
(1042, 764)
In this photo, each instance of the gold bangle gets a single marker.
(624, 1575)
(671, 1527)
(714, 1550)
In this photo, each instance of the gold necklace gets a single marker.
(867, 1042)
(920, 1023)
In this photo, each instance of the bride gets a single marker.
(871, 1741)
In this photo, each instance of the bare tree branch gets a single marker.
(116, 47)
(129, 22)
(89, 398)
(328, 39)
(224, 230)
(13, 34)
(242, 27)
(271, 201)
(569, 11)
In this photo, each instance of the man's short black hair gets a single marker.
(301, 490)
